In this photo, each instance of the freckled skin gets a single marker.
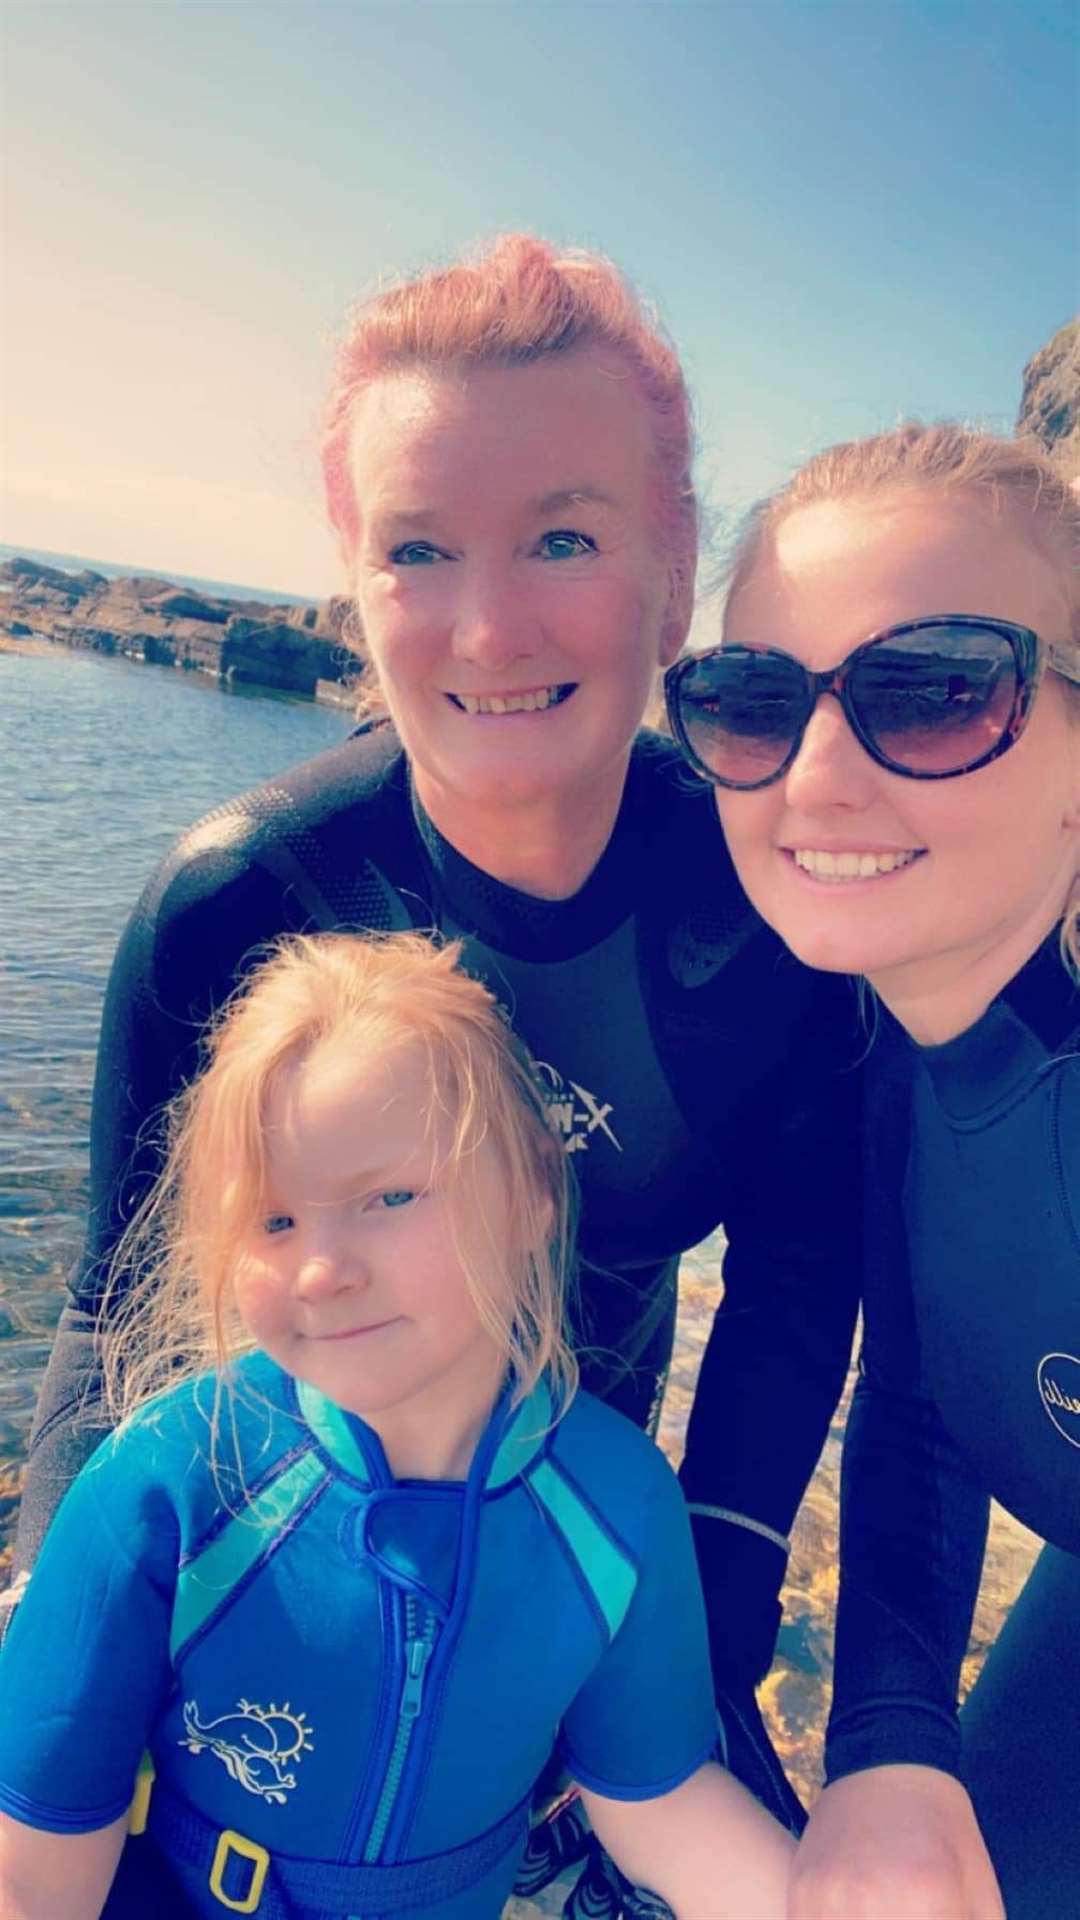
(461, 484)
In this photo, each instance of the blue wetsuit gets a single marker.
(351, 1674)
(970, 1386)
(698, 1072)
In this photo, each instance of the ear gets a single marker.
(677, 616)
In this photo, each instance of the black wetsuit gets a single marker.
(700, 1074)
(971, 1386)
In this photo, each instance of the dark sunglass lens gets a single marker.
(937, 699)
(741, 711)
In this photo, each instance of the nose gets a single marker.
(492, 628)
(327, 1270)
(830, 769)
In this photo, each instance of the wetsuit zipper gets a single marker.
(419, 1644)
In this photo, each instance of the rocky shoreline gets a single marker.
(289, 649)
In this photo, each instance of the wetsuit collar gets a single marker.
(1031, 1022)
(511, 1441)
(524, 926)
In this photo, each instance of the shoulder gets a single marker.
(199, 1445)
(664, 792)
(615, 1500)
(355, 782)
(612, 1462)
(691, 900)
(321, 844)
(164, 1444)
(732, 974)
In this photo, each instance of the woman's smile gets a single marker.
(527, 700)
(839, 865)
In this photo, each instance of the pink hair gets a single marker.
(511, 304)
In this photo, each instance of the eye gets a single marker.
(415, 553)
(278, 1223)
(562, 543)
(395, 1197)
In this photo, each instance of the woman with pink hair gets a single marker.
(508, 468)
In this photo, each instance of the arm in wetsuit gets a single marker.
(913, 1519)
(895, 1831)
(777, 1357)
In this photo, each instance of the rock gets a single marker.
(240, 642)
(276, 653)
(31, 573)
(178, 602)
(1050, 400)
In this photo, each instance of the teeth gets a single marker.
(850, 866)
(533, 702)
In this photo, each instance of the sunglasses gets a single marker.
(928, 699)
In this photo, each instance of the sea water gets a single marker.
(102, 762)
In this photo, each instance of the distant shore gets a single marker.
(286, 647)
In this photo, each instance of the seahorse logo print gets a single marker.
(255, 1745)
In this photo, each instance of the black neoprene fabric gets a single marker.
(700, 1075)
(970, 1387)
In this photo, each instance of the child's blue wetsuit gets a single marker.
(358, 1679)
(971, 1386)
(699, 1075)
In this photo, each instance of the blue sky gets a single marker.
(847, 210)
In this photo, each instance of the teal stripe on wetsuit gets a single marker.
(277, 1716)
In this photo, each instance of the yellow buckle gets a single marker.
(230, 1842)
(139, 1810)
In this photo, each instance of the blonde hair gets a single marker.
(1007, 476)
(172, 1312)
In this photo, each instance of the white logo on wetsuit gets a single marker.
(1058, 1376)
(575, 1114)
(256, 1745)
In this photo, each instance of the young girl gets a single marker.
(893, 727)
(356, 1556)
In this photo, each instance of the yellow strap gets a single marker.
(230, 1842)
(139, 1810)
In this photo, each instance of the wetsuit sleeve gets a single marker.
(644, 1720)
(781, 1341)
(85, 1668)
(912, 1519)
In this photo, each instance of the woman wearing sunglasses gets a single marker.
(892, 726)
